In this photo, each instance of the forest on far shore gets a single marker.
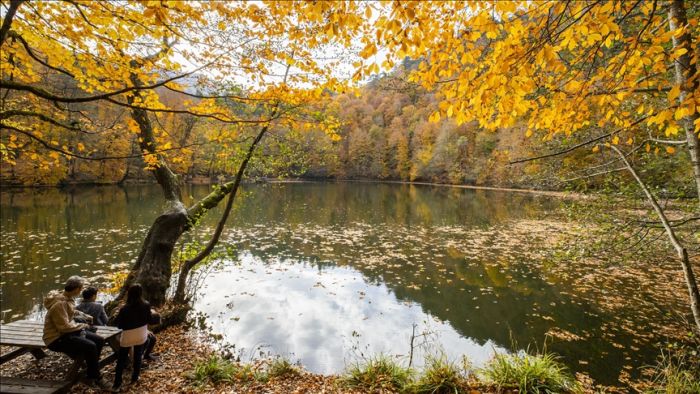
(385, 134)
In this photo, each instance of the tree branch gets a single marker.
(582, 144)
(7, 20)
(11, 113)
(78, 156)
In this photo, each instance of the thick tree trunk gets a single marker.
(688, 81)
(152, 268)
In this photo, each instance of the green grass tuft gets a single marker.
(217, 370)
(377, 374)
(678, 372)
(440, 376)
(541, 373)
(282, 367)
(212, 370)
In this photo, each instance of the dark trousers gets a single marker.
(81, 344)
(124, 358)
(150, 344)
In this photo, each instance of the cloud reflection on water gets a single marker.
(310, 314)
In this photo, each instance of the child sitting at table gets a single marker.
(90, 306)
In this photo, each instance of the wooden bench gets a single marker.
(26, 336)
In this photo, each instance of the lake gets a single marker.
(330, 273)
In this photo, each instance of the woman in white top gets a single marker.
(133, 318)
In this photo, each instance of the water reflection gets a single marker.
(335, 269)
(325, 317)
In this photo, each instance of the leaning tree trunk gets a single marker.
(230, 188)
(152, 268)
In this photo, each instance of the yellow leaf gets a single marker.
(680, 51)
(616, 140)
(435, 117)
(673, 93)
(670, 149)
(81, 147)
(595, 149)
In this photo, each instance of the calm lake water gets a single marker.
(328, 273)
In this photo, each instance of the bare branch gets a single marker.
(582, 144)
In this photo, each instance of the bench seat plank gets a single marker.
(22, 386)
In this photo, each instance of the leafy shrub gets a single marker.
(377, 374)
(541, 373)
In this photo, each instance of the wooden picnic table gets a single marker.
(26, 336)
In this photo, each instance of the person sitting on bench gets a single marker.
(90, 306)
(77, 340)
(133, 318)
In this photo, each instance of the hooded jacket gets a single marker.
(59, 316)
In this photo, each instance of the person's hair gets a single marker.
(89, 293)
(134, 296)
(74, 282)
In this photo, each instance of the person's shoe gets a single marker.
(100, 384)
(151, 357)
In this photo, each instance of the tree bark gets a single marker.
(7, 20)
(168, 181)
(690, 279)
(687, 79)
(152, 268)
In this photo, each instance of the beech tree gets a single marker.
(120, 54)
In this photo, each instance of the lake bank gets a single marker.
(192, 367)
(210, 182)
(198, 365)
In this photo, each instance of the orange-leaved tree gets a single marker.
(243, 69)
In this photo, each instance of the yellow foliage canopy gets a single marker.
(562, 66)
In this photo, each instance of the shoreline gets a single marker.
(549, 193)
(195, 365)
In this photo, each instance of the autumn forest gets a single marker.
(409, 196)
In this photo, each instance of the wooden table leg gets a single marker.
(13, 354)
(114, 343)
(37, 353)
